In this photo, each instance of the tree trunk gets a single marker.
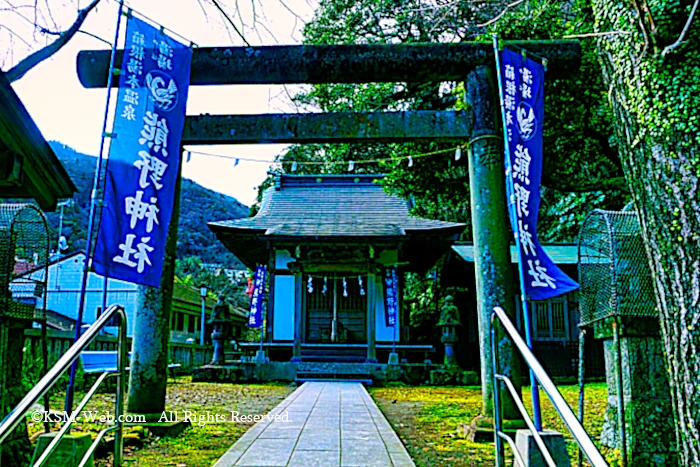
(149, 359)
(654, 94)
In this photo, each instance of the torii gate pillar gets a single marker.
(494, 284)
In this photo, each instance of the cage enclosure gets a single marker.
(24, 255)
(617, 304)
(614, 271)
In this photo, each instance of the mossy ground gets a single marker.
(429, 421)
(198, 446)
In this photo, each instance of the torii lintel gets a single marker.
(361, 63)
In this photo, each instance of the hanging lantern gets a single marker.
(325, 285)
(410, 161)
(345, 287)
(362, 287)
(458, 154)
(310, 285)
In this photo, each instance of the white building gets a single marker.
(63, 290)
(63, 297)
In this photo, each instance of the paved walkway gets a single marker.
(321, 425)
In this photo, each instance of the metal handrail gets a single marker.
(20, 412)
(577, 431)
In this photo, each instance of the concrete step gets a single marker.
(333, 376)
(333, 358)
(319, 379)
(320, 355)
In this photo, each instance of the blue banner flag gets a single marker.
(255, 317)
(144, 156)
(391, 296)
(523, 106)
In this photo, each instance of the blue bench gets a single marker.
(100, 361)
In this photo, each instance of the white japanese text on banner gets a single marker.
(144, 156)
(255, 317)
(391, 296)
(523, 107)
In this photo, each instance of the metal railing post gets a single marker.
(16, 415)
(620, 392)
(500, 454)
(122, 355)
(581, 382)
(567, 415)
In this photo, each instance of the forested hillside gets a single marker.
(198, 206)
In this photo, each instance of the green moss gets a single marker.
(431, 420)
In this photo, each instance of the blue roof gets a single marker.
(559, 253)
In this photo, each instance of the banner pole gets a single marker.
(262, 325)
(70, 389)
(536, 411)
(105, 289)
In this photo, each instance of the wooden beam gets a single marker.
(327, 127)
(361, 63)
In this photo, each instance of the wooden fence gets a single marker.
(187, 355)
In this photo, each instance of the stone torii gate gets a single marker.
(480, 125)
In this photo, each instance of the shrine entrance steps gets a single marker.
(334, 371)
(329, 424)
(333, 354)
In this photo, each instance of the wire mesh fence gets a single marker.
(613, 268)
(24, 256)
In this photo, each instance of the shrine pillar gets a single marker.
(371, 317)
(295, 268)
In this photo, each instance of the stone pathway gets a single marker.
(321, 425)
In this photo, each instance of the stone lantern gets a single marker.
(449, 323)
(221, 332)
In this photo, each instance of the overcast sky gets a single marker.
(66, 112)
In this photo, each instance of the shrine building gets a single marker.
(327, 241)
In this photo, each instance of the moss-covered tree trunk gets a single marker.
(655, 94)
(149, 358)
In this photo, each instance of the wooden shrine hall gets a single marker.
(326, 240)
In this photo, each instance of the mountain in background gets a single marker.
(198, 205)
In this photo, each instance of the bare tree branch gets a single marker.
(13, 8)
(680, 40)
(289, 9)
(95, 36)
(230, 21)
(12, 33)
(43, 30)
(595, 34)
(204, 11)
(48, 32)
(264, 26)
(442, 18)
(48, 10)
(497, 17)
(19, 70)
